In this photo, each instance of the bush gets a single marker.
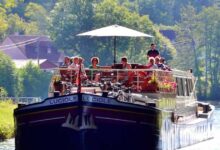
(7, 120)
(3, 92)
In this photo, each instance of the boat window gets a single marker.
(190, 85)
(180, 88)
(177, 87)
(183, 83)
(187, 87)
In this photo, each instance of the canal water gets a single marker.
(212, 144)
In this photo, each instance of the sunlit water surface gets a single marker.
(212, 144)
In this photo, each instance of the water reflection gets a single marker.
(210, 144)
(7, 145)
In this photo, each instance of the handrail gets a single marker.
(22, 100)
(139, 80)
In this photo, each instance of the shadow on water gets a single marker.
(206, 145)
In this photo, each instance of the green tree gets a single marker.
(8, 4)
(198, 48)
(8, 78)
(69, 18)
(48, 4)
(15, 24)
(168, 12)
(34, 81)
(187, 56)
(3, 92)
(208, 31)
(110, 12)
(36, 13)
(3, 23)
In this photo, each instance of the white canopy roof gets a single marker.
(114, 30)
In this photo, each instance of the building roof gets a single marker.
(44, 63)
(30, 47)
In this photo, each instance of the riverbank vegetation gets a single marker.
(28, 81)
(195, 42)
(6, 119)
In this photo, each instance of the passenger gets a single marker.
(151, 64)
(75, 63)
(95, 62)
(153, 52)
(83, 72)
(146, 76)
(157, 62)
(126, 76)
(74, 69)
(94, 74)
(164, 66)
(125, 64)
(63, 71)
(66, 62)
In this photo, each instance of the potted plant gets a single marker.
(152, 84)
(57, 83)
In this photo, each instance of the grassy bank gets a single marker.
(6, 119)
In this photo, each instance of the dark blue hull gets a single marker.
(105, 138)
(83, 125)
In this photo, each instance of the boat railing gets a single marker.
(22, 100)
(139, 80)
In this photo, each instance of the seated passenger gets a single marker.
(73, 68)
(95, 62)
(95, 75)
(65, 76)
(126, 76)
(125, 64)
(83, 75)
(75, 63)
(66, 62)
(151, 64)
(146, 76)
(157, 62)
(163, 65)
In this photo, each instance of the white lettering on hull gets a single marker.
(96, 99)
(63, 100)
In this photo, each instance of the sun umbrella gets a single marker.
(114, 31)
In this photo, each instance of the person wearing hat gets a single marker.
(95, 62)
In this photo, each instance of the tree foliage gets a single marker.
(34, 82)
(200, 35)
(8, 78)
(3, 92)
(3, 23)
(72, 17)
(209, 34)
(40, 18)
(28, 81)
(168, 12)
